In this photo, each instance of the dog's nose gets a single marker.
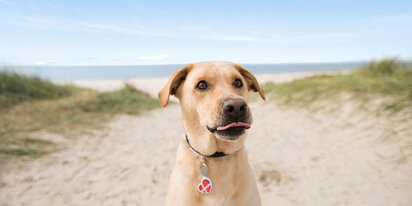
(234, 107)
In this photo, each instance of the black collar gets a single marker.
(215, 155)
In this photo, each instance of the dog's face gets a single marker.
(213, 97)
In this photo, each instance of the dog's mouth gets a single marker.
(234, 124)
(231, 131)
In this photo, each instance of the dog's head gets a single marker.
(213, 97)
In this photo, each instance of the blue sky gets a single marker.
(161, 32)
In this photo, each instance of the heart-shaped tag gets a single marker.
(205, 185)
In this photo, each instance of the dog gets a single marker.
(212, 165)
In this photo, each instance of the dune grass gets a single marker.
(30, 104)
(388, 80)
(16, 88)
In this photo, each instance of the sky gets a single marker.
(122, 32)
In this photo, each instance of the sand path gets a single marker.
(299, 158)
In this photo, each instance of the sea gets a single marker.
(73, 73)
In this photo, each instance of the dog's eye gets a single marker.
(202, 85)
(238, 83)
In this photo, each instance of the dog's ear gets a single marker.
(251, 80)
(173, 84)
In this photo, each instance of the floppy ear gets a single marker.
(173, 84)
(251, 80)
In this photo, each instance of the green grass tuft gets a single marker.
(16, 88)
(128, 100)
(389, 80)
(384, 67)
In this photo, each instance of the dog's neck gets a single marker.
(220, 170)
(189, 162)
(206, 143)
(217, 154)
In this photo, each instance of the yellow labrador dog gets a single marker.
(212, 165)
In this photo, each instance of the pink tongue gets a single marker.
(234, 124)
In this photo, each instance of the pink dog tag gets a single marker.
(205, 186)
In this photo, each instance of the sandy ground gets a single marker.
(299, 158)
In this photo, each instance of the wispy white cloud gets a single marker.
(41, 21)
(87, 59)
(229, 37)
(31, 22)
(154, 58)
(134, 30)
(182, 32)
(48, 62)
(41, 63)
(278, 38)
(112, 28)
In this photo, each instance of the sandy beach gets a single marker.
(299, 157)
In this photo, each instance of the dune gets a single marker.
(299, 157)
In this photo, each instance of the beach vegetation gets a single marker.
(15, 88)
(30, 105)
(388, 82)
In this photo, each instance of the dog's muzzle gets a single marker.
(235, 119)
